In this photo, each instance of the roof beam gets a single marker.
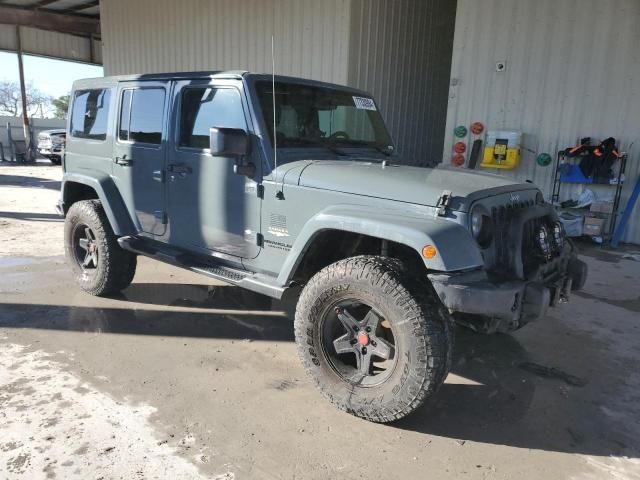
(48, 20)
(42, 3)
(82, 6)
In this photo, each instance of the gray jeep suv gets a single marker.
(295, 192)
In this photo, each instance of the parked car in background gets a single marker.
(51, 144)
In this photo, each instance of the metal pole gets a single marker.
(23, 95)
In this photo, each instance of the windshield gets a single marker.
(312, 116)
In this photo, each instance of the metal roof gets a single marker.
(87, 8)
(78, 17)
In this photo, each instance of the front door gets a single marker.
(211, 208)
(139, 153)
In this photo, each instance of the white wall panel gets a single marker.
(163, 36)
(573, 70)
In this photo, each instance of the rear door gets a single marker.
(139, 152)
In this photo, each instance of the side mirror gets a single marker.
(229, 142)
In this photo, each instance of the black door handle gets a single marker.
(123, 161)
(179, 169)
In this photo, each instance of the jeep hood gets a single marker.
(422, 186)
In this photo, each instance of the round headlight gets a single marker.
(477, 220)
(481, 227)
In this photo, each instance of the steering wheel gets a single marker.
(340, 135)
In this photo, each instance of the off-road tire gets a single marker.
(420, 324)
(116, 267)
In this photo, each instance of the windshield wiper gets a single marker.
(384, 149)
(315, 143)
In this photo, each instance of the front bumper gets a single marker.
(508, 305)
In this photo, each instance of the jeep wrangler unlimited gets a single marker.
(297, 193)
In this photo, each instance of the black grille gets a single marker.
(504, 258)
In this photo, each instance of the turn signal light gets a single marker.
(429, 251)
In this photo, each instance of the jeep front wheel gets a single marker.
(373, 348)
(99, 265)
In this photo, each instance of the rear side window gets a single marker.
(141, 112)
(206, 107)
(90, 114)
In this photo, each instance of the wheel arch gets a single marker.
(456, 249)
(76, 187)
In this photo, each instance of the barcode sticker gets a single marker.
(363, 103)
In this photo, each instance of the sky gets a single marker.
(52, 77)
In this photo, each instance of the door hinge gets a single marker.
(260, 190)
(161, 215)
(260, 240)
(158, 176)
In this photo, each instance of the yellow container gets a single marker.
(502, 149)
(491, 160)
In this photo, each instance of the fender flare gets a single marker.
(108, 194)
(456, 248)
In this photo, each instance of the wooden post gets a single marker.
(23, 95)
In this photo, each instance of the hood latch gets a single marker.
(443, 203)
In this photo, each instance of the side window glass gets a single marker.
(141, 114)
(206, 107)
(90, 114)
(125, 115)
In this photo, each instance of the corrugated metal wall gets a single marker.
(51, 44)
(165, 35)
(573, 70)
(401, 52)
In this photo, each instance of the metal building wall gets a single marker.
(165, 35)
(573, 70)
(401, 52)
(63, 46)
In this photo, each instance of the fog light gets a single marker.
(558, 236)
(429, 251)
(544, 242)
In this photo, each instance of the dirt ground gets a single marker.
(181, 378)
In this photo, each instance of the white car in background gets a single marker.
(51, 144)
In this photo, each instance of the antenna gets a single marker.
(279, 194)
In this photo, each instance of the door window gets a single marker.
(141, 113)
(90, 114)
(206, 107)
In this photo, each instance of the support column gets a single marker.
(23, 95)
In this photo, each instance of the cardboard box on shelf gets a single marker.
(602, 206)
(593, 226)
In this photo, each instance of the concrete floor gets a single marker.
(181, 378)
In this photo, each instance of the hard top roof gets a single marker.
(230, 74)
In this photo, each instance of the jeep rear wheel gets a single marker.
(99, 265)
(373, 348)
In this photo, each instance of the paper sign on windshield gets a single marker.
(363, 103)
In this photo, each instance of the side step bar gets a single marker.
(242, 278)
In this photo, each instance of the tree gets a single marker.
(38, 104)
(61, 105)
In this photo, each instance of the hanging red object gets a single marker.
(458, 160)
(460, 147)
(477, 128)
